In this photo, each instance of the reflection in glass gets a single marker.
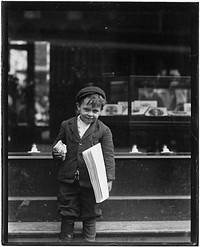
(173, 98)
(18, 80)
(42, 65)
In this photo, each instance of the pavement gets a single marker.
(125, 232)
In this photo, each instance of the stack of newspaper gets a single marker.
(96, 168)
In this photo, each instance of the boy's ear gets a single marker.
(78, 106)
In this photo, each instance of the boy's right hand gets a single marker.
(58, 155)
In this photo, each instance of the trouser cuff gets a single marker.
(67, 228)
(89, 229)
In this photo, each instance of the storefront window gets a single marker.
(42, 64)
(17, 84)
(117, 95)
(28, 94)
(140, 110)
(151, 112)
(167, 95)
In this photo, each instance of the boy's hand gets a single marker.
(58, 155)
(109, 186)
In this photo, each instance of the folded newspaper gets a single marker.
(61, 148)
(94, 160)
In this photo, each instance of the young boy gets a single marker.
(76, 198)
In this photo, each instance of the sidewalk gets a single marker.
(125, 232)
(105, 227)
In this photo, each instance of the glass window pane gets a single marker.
(42, 64)
(117, 97)
(18, 76)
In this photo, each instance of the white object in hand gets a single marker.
(61, 148)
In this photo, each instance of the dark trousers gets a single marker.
(75, 201)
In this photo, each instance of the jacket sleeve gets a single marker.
(108, 152)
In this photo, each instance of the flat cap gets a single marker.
(88, 91)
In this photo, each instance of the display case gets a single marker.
(150, 112)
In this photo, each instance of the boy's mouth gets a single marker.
(90, 118)
(86, 118)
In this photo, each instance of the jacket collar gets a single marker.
(74, 128)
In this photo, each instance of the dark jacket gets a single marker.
(97, 132)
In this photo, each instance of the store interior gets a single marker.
(138, 53)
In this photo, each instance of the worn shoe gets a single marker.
(67, 238)
(67, 229)
(89, 240)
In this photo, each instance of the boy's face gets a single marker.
(88, 113)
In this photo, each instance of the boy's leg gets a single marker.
(89, 213)
(89, 229)
(67, 229)
(68, 207)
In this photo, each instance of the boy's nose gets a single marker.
(90, 114)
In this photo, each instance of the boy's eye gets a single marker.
(86, 109)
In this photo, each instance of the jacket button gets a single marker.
(80, 143)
